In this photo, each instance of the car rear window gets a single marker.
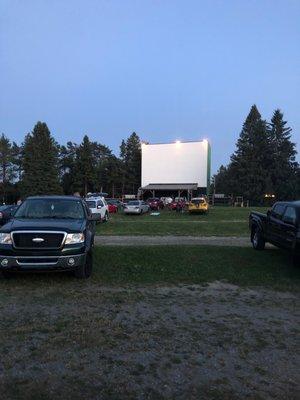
(112, 201)
(198, 201)
(133, 203)
(91, 204)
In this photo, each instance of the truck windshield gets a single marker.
(50, 208)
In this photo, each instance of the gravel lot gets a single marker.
(215, 341)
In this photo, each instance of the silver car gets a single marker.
(136, 207)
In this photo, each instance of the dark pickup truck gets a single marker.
(280, 226)
(48, 233)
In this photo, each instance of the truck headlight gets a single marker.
(5, 238)
(73, 238)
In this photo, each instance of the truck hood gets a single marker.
(67, 225)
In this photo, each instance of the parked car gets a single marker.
(280, 226)
(6, 212)
(98, 207)
(155, 203)
(178, 202)
(166, 200)
(49, 233)
(136, 207)
(112, 208)
(198, 205)
(115, 202)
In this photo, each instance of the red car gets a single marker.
(112, 208)
(178, 202)
(155, 203)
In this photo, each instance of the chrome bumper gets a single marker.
(38, 263)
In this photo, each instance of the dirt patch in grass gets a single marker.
(209, 341)
(141, 240)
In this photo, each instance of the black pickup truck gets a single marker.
(48, 233)
(280, 226)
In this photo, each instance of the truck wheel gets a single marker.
(105, 219)
(85, 270)
(258, 242)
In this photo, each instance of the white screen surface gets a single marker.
(183, 162)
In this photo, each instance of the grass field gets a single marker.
(174, 264)
(220, 221)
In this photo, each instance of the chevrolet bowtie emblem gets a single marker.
(38, 240)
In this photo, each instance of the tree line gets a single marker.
(264, 162)
(41, 166)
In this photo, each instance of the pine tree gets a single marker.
(40, 163)
(84, 171)
(297, 184)
(8, 163)
(114, 175)
(102, 155)
(264, 161)
(130, 153)
(67, 159)
(220, 182)
(249, 170)
(284, 168)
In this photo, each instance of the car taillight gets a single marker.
(98, 207)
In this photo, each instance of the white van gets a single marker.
(98, 205)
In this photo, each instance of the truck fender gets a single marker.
(254, 225)
(89, 240)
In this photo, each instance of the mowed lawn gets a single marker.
(173, 265)
(220, 221)
(196, 264)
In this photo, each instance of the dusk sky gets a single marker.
(166, 69)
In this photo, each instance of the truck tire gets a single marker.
(258, 241)
(85, 270)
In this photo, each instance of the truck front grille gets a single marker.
(38, 240)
